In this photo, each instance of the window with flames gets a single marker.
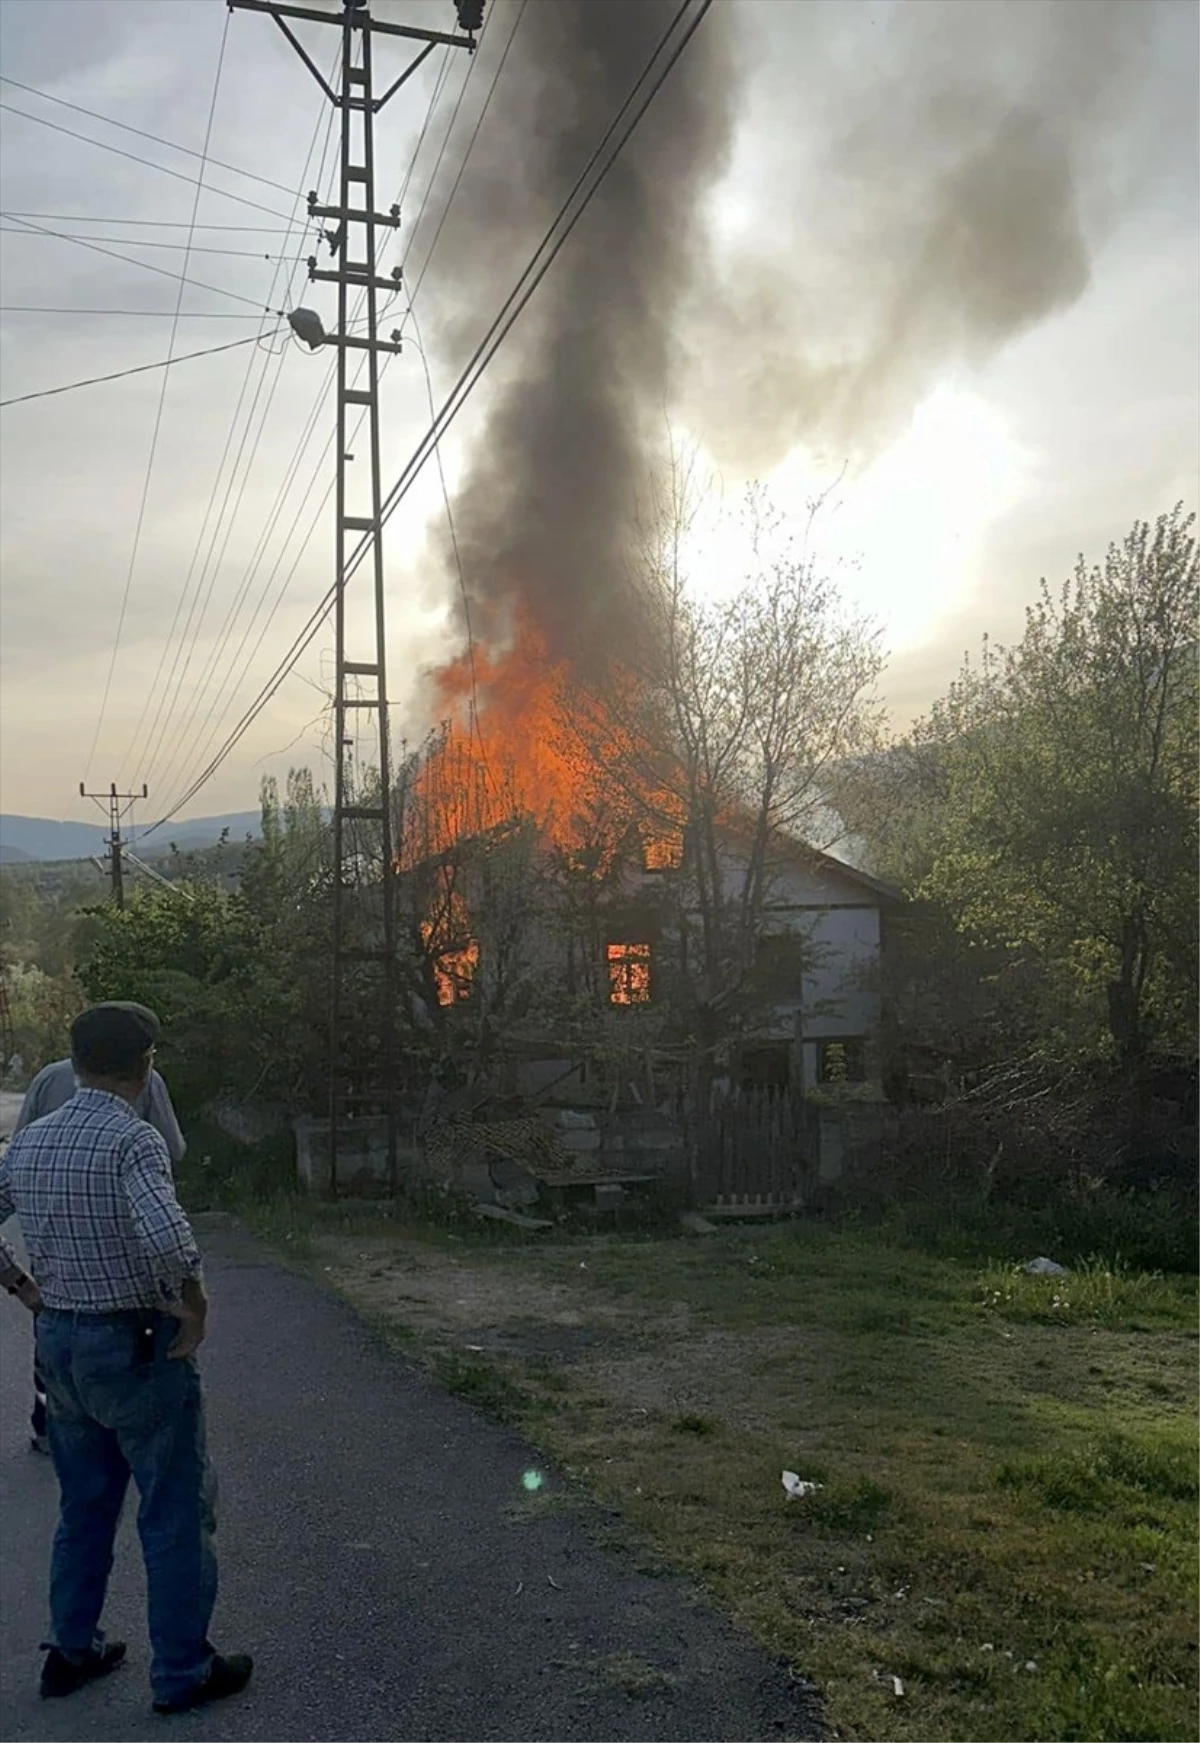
(454, 953)
(628, 974)
(663, 853)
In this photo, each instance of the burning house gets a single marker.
(574, 895)
(602, 1027)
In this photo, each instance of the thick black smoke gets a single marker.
(584, 378)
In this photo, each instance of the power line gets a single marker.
(226, 629)
(138, 369)
(453, 530)
(145, 265)
(462, 166)
(139, 314)
(438, 86)
(238, 681)
(411, 315)
(501, 327)
(152, 223)
(305, 438)
(293, 467)
(162, 399)
(146, 162)
(521, 293)
(170, 688)
(437, 162)
(157, 139)
(137, 242)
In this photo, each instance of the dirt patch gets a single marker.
(493, 1305)
(659, 1360)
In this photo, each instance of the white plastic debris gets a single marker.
(1044, 1267)
(1031, 1664)
(796, 1487)
(897, 1685)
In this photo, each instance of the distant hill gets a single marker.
(25, 839)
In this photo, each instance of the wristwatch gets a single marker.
(16, 1288)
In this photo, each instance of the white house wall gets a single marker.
(839, 917)
(840, 996)
(836, 913)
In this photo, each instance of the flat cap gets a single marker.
(112, 1039)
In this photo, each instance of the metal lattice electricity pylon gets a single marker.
(363, 1076)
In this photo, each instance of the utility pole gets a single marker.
(363, 1072)
(118, 806)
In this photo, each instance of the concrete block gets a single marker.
(579, 1141)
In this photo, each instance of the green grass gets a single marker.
(1005, 1482)
(1095, 1292)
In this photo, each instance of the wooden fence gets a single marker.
(758, 1153)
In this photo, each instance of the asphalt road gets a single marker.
(375, 1560)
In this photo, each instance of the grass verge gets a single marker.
(1002, 1543)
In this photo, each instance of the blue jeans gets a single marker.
(118, 1406)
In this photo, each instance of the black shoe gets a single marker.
(62, 1676)
(226, 1676)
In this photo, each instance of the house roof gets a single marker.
(827, 862)
(802, 853)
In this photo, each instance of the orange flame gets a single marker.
(525, 759)
(628, 974)
(526, 738)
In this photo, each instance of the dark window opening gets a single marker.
(767, 1066)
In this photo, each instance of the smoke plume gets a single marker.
(552, 480)
(930, 180)
(915, 183)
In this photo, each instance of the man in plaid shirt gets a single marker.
(54, 1085)
(118, 1291)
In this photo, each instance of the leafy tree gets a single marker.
(721, 736)
(185, 952)
(1072, 800)
(239, 978)
(1047, 810)
(42, 1007)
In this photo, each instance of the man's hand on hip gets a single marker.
(189, 1337)
(192, 1313)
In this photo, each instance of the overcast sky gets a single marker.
(993, 456)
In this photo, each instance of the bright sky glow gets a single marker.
(909, 528)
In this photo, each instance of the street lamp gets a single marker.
(306, 324)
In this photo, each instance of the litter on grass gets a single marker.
(796, 1487)
(1045, 1268)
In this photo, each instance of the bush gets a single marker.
(219, 1173)
(969, 1181)
(42, 1007)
